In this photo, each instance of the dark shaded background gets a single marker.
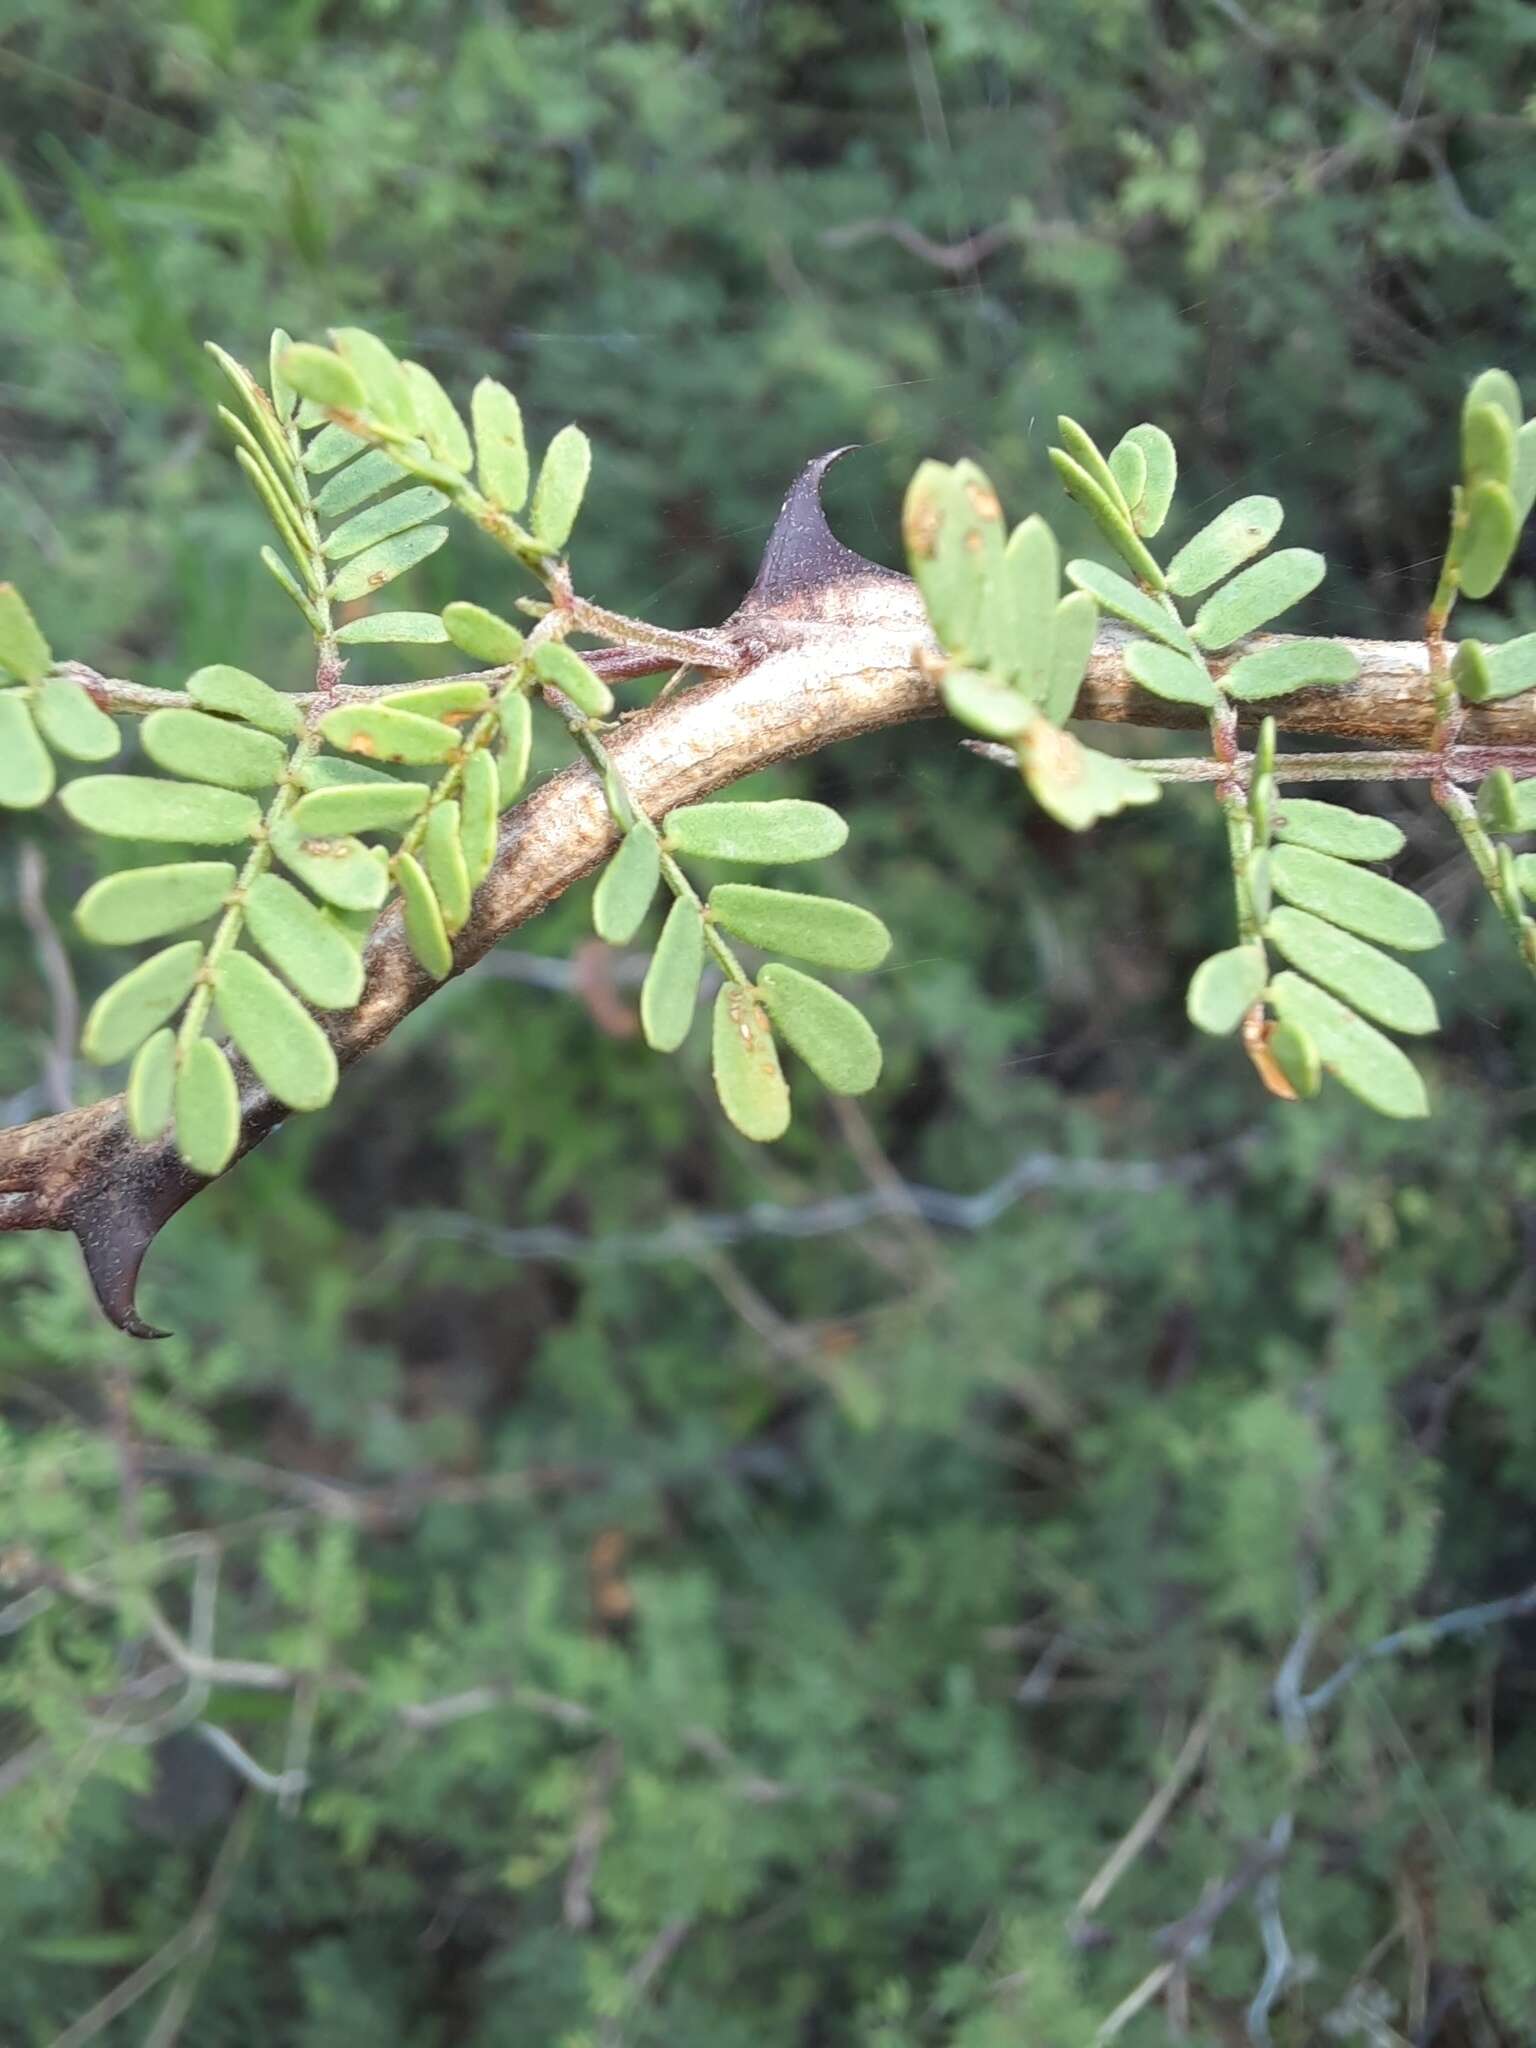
(805, 1617)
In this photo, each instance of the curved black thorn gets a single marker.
(136, 1194)
(804, 555)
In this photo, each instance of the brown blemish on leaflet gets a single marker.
(984, 503)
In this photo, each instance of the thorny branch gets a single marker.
(823, 649)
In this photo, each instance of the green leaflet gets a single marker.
(1103, 505)
(1167, 672)
(382, 732)
(626, 885)
(442, 858)
(515, 716)
(377, 523)
(283, 576)
(1487, 444)
(1368, 980)
(201, 748)
(417, 628)
(303, 943)
(1072, 637)
(806, 927)
(1335, 829)
(332, 445)
(386, 390)
(1484, 539)
(340, 771)
(561, 487)
(437, 418)
(1296, 665)
(501, 451)
(123, 1016)
(1256, 596)
(1523, 483)
(320, 374)
(789, 829)
(985, 705)
(151, 1086)
(24, 653)
(1128, 467)
(1355, 1052)
(1160, 465)
(748, 1078)
(207, 1108)
(140, 807)
(1525, 874)
(1496, 388)
(952, 524)
(479, 802)
(26, 766)
(670, 993)
(1231, 539)
(1354, 898)
(1022, 616)
(1080, 447)
(1075, 784)
(455, 701)
(423, 919)
(284, 398)
(1489, 674)
(381, 565)
(833, 1038)
(71, 723)
(145, 903)
(1224, 988)
(371, 473)
(246, 697)
(1294, 1052)
(1126, 602)
(481, 633)
(341, 871)
(1505, 805)
(554, 662)
(289, 1053)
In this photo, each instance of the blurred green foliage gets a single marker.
(841, 1601)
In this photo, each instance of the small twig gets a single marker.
(1149, 1820)
(1461, 1621)
(196, 1935)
